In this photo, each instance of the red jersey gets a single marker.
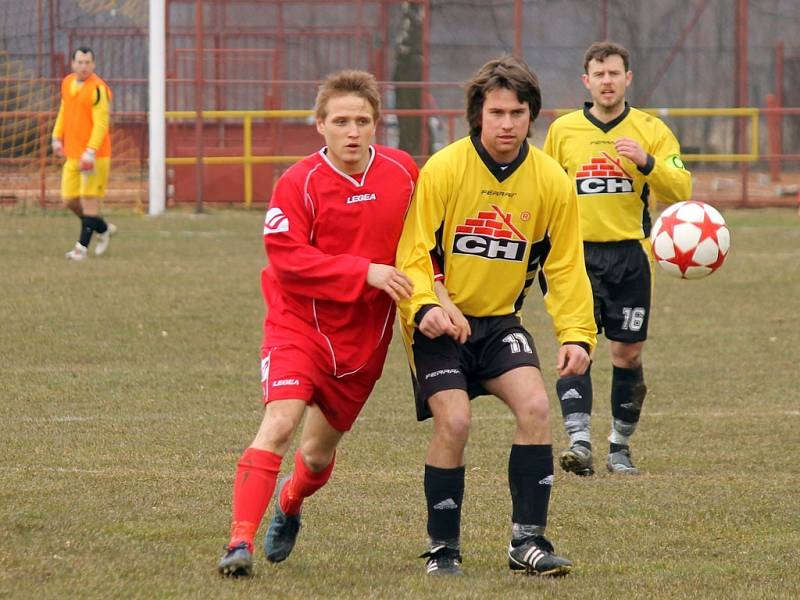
(322, 230)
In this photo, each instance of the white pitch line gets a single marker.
(381, 418)
(166, 473)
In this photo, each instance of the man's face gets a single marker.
(83, 65)
(607, 81)
(348, 129)
(504, 124)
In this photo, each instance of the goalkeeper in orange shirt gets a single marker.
(81, 135)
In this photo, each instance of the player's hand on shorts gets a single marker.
(463, 330)
(58, 147)
(436, 322)
(390, 280)
(87, 160)
(631, 150)
(572, 360)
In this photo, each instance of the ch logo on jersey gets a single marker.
(603, 175)
(275, 221)
(490, 235)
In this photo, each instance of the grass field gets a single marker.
(129, 387)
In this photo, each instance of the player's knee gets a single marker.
(453, 427)
(534, 411)
(627, 356)
(317, 460)
(276, 431)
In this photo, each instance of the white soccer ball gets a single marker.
(690, 240)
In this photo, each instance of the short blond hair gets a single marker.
(344, 83)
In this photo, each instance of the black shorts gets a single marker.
(497, 345)
(621, 276)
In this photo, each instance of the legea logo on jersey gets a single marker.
(361, 198)
(490, 235)
(603, 175)
(275, 221)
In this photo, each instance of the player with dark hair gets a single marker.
(81, 135)
(615, 155)
(330, 234)
(492, 210)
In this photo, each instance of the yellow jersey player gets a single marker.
(493, 211)
(81, 135)
(616, 157)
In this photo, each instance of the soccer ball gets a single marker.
(690, 240)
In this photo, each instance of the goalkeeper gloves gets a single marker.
(87, 159)
(58, 147)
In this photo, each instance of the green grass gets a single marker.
(129, 387)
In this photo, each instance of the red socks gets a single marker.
(303, 483)
(253, 487)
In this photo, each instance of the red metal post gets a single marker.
(170, 68)
(219, 25)
(282, 50)
(360, 36)
(426, 70)
(380, 52)
(198, 103)
(51, 22)
(773, 138)
(43, 145)
(604, 20)
(779, 95)
(39, 35)
(741, 98)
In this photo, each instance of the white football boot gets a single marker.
(79, 252)
(103, 240)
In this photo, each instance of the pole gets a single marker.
(773, 139)
(741, 90)
(518, 28)
(426, 69)
(604, 20)
(779, 96)
(198, 103)
(156, 121)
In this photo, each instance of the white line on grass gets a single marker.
(382, 418)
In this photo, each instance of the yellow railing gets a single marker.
(248, 160)
(753, 113)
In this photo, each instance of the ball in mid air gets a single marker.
(690, 240)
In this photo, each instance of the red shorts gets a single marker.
(289, 373)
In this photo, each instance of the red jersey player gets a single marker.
(330, 233)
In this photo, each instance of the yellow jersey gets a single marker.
(492, 227)
(613, 192)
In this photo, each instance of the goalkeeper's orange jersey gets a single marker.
(491, 228)
(613, 193)
(82, 120)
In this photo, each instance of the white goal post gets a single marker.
(156, 121)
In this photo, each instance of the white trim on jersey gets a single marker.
(323, 153)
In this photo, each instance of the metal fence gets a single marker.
(247, 55)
